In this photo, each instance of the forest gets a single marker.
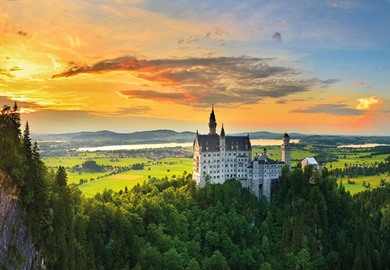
(173, 224)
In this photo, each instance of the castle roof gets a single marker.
(263, 160)
(212, 114)
(286, 135)
(211, 143)
(222, 132)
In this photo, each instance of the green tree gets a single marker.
(216, 262)
(61, 177)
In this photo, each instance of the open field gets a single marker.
(374, 181)
(356, 159)
(167, 167)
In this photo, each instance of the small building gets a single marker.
(310, 161)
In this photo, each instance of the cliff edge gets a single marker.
(17, 250)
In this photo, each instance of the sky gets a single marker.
(307, 66)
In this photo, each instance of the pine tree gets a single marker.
(61, 177)
(28, 188)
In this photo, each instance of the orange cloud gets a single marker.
(202, 81)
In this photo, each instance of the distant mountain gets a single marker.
(105, 137)
(271, 135)
(152, 136)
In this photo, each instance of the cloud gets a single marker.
(367, 103)
(218, 34)
(284, 101)
(202, 81)
(343, 4)
(22, 33)
(7, 72)
(281, 101)
(277, 37)
(154, 95)
(333, 109)
(24, 106)
(132, 110)
(325, 83)
(123, 112)
(361, 83)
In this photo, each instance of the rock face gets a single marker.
(16, 248)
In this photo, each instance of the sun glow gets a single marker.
(367, 103)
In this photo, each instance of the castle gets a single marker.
(220, 157)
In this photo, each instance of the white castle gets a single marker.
(220, 157)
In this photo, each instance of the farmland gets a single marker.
(160, 165)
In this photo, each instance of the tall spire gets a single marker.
(222, 131)
(212, 122)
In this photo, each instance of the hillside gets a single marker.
(106, 137)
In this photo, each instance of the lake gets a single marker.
(366, 145)
(262, 142)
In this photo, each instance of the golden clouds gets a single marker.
(367, 103)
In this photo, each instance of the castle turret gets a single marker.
(286, 150)
(212, 123)
(222, 149)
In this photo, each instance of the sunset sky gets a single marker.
(319, 67)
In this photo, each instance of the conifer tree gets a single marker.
(61, 177)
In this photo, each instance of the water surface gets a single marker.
(261, 142)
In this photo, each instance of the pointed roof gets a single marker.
(212, 115)
(286, 136)
(222, 131)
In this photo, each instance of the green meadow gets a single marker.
(374, 181)
(168, 167)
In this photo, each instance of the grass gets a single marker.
(69, 162)
(168, 167)
(114, 183)
(356, 159)
(374, 181)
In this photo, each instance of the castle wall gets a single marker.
(216, 162)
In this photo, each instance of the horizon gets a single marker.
(314, 67)
(184, 131)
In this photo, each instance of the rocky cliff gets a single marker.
(16, 248)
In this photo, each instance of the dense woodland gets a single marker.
(173, 224)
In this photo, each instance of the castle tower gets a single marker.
(222, 136)
(222, 149)
(286, 150)
(212, 123)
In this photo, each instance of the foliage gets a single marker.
(138, 166)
